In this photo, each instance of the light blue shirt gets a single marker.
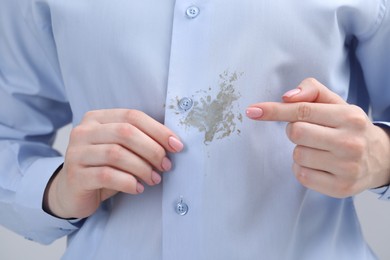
(195, 69)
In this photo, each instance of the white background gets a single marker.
(373, 213)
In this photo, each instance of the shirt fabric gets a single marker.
(60, 59)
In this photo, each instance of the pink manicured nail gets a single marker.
(156, 178)
(140, 188)
(292, 92)
(254, 112)
(166, 164)
(175, 144)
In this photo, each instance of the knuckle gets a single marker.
(357, 118)
(295, 132)
(79, 131)
(353, 147)
(113, 154)
(124, 131)
(309, 81)
(133, 115)
(350, 186)
(157, 153)
(303, 178)
(72, 155)
(298, 154)
(303, 112)
(131, 186)
(345, 189)
(302, 175)
(105, 175)
(90, 114)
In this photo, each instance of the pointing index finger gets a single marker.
(315, 113)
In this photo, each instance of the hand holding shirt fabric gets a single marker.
(339, 151)
(111, 151)
(61, 59)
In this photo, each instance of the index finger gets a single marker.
(148, 125)
(316, 113)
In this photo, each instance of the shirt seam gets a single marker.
(26, 12)
(381, 14)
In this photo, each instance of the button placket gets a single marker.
(180, 212)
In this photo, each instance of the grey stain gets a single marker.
(216, 117)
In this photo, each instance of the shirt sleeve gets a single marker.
(373, 56)
(383, 192)
(33, 107)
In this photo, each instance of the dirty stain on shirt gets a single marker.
(216, 116)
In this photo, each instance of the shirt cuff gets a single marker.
(382, 124)
(383, 192)
(36, 223)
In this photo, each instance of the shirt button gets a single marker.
(185, 103)
(181, 208)
(192, 12)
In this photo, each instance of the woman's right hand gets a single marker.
(111, 151)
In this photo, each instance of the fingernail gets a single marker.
(175, 144)
(156, 178)
(140, 188)
(166, 164)
(292, 92)
(254, 112)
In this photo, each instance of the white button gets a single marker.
(192, 12)
(181, 208)
(185, 103)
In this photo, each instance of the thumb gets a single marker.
(311, 90)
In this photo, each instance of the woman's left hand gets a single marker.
(339, 151)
